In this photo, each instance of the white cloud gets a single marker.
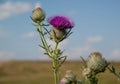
(5, 55)
(94, 39)
(116, 53)
(8, 9)
(38, 4)
(29, 35)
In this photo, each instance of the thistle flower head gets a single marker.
(96, 62)
(38, 14)
(61, 22)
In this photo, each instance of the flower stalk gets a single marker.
(50, 53)
(45, 45)
(93, 66)
(53, 53)
(55, 65)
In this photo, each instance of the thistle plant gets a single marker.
(61, 30)
(92, 67)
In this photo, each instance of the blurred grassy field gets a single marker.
(40, 72)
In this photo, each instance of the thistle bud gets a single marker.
(57, 34)
(64, 81)
(69, 75)
(38, 15)
(69, 78)
(96, 62)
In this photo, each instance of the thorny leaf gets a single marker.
(61, 61)
(42, 46)
(47, 30)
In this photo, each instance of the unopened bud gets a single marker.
(38, 15)
(96, 62)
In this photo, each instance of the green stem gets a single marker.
(55, 64)
(54, 55)
(55, 71)
(55, 49)
(44, 41)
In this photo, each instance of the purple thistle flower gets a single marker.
(61, 22)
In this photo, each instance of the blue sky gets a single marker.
(97, 28)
